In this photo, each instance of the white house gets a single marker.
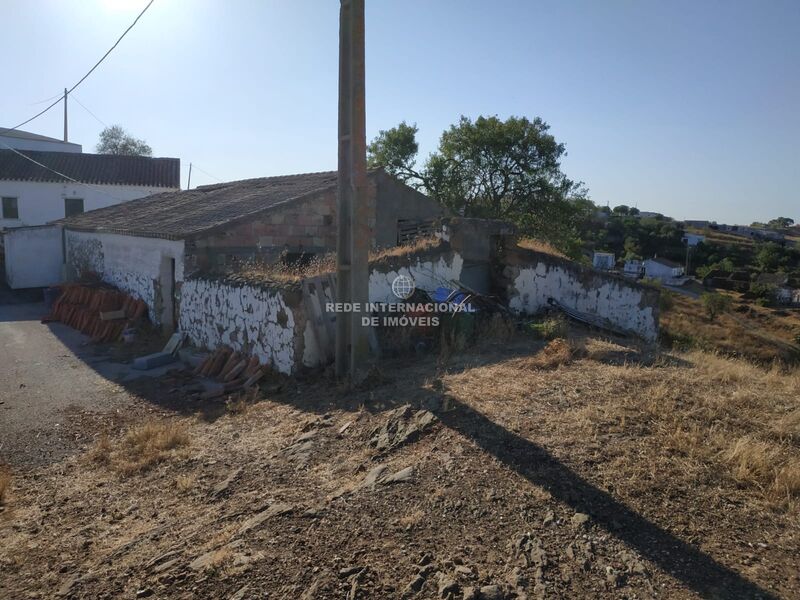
(36, 186)
(633, 268)
(603, 261)
(692, 239)
(662, 269)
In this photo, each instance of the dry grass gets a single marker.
(140, 448)
(760, 334)
(540, 246)
(326, 263)
(5, 483)
(185, 483)
(557, 352)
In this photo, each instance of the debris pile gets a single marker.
(100, 311)
(234, 370)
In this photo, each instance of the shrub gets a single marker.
(715, 304)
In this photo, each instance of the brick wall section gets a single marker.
(302, 226)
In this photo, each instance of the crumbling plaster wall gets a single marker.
(428, 273)
(133, 264)
(257, 320)
(531, 278)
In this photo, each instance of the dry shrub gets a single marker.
(100, 453)
(141, 447)
(752, 461)
(185, 483)
(540, 246)
(5, 483)
(555, 353)
(550, 328)
(787, 427)
(764, 465)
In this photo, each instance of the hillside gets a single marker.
(750, 331)
(588, 468)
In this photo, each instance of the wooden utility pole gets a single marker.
(353, 240)
(66, 137)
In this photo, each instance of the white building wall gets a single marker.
(135, 265)
(42, 202)
(19, 143)
(34, 257)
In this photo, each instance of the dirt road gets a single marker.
(48, 376)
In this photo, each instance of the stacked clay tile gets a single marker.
(79, 306)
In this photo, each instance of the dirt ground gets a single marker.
(504, 472)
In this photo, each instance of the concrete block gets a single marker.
(151, 361)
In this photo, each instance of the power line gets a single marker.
(89, 72)
(206, 173)
(67, 177)
(98, 119)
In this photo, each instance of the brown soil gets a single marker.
(614, 472)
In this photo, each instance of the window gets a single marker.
(10, 208)
(73, 206)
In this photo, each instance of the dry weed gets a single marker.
(555, 353)
(140, 448)
(5, 483)
(540, 246)
(185, 483)
(100, 453)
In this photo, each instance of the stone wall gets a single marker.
(251, 318)
(529, 279)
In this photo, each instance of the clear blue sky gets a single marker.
(690, 108)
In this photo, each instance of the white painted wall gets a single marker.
(19, 143)
(133, 264)
(621, 304)
(656, 270)
(244, 317)
(34, 257)
(427, 275)
(41, 202)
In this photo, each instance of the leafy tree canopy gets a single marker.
(492, 168)
(115, 140)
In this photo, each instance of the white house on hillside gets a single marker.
(662, 269)
(42, 185)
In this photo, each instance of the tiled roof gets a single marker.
(90, 168)
(184, 213)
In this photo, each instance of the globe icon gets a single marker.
(403, 287)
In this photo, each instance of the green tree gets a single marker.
(715, 304)
(396, 151)
(496, 169)
(781, 222)
(115, 140)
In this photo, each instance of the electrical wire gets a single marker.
(195, 167)
(98, 119)
(82, 79)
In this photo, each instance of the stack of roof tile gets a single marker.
(81, 307)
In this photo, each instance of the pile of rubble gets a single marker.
(99, 311)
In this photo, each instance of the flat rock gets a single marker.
(402, 476)
(579, 520)
(491, 592)
(373, 476)
(223, 485)
(276, 509)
